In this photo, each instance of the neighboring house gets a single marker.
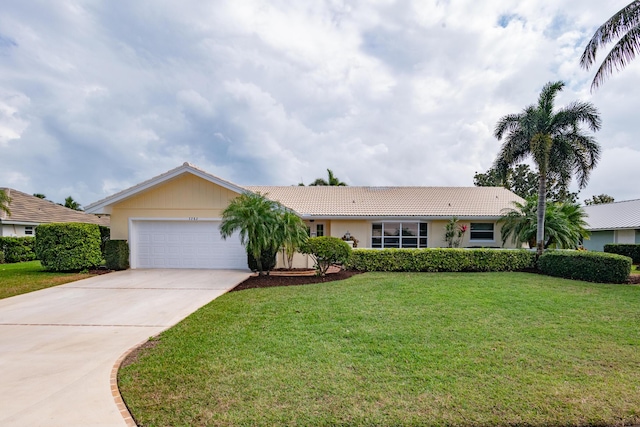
(27, 212)
(172, 220)
(617, 222)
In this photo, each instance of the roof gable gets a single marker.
(26, 208)
(104, 205)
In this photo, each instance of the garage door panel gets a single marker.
(185, 244)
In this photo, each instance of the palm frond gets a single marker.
(623, 52)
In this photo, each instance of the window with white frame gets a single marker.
(28, 230)
(399, 235)
(481, 231)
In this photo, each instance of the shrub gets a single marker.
(630, 250)
(267, 259)
(69, 246)
(18, 249)
(116, 254)
(326, 251)
(441, 259)
(588, 266)
(1, 257)
(105, 236)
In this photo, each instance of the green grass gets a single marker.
(635, 269)
(400, 349)
(23, 277)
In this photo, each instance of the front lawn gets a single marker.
(399, 349)
(23, 277)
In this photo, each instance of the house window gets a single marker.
(28, 231)
(399, 235)
(481, 231)
(319, 230)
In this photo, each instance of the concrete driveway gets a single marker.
(58, 346)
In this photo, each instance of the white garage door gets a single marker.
(185, 244)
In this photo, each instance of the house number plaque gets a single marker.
(193, 218)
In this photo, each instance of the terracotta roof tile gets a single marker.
(392, 201)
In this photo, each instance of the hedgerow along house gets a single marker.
(172, 220)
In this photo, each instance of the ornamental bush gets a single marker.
(589, 266)
(116, 254)
(326, 251)
(441, 259)
(68, 246)
(18, 249)
(630, 250)
(1, 257)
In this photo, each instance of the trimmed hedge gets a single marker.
(630, 250)
(18, 249)
(68, 246)
(116, 254)
(589, 266)
(441, 259)
(1, 257)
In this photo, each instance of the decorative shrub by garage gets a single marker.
(630, 250)
(68, 246)
(441, 259)
(588, 266)
(18, 249)
(116, 254)
(268, 259)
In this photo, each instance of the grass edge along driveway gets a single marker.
(399, 349)
(24, 277)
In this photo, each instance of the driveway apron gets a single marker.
(58, 345)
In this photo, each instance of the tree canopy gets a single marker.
(331, 181)
(4, 202)
(599, 200)
(524, 182)
(623, 26)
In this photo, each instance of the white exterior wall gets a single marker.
(16, 230)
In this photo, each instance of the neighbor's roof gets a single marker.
(615, 215)
(30, 209)
(335, 201)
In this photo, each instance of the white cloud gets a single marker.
(103, 95)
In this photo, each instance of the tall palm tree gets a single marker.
(564, 225)
(257, 220)
(333, 180)
(293, 234)
(4, 202)
(555, 142)
(624, 26)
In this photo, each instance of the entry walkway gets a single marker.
(58, 345)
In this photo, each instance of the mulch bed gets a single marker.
(273, 281)
(634, 279)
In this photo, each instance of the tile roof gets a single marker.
(392, 201)
(27, 208)
(608, 216)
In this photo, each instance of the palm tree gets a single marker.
(72, 204)
(624, 26)
(564, 225)
(333, 181)
(292, 233)
(257, 220)
(4, 202)
(555, 142)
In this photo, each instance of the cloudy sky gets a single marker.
(96, 96)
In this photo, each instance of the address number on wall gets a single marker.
(193, 218)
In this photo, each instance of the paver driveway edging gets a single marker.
(60, 348)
